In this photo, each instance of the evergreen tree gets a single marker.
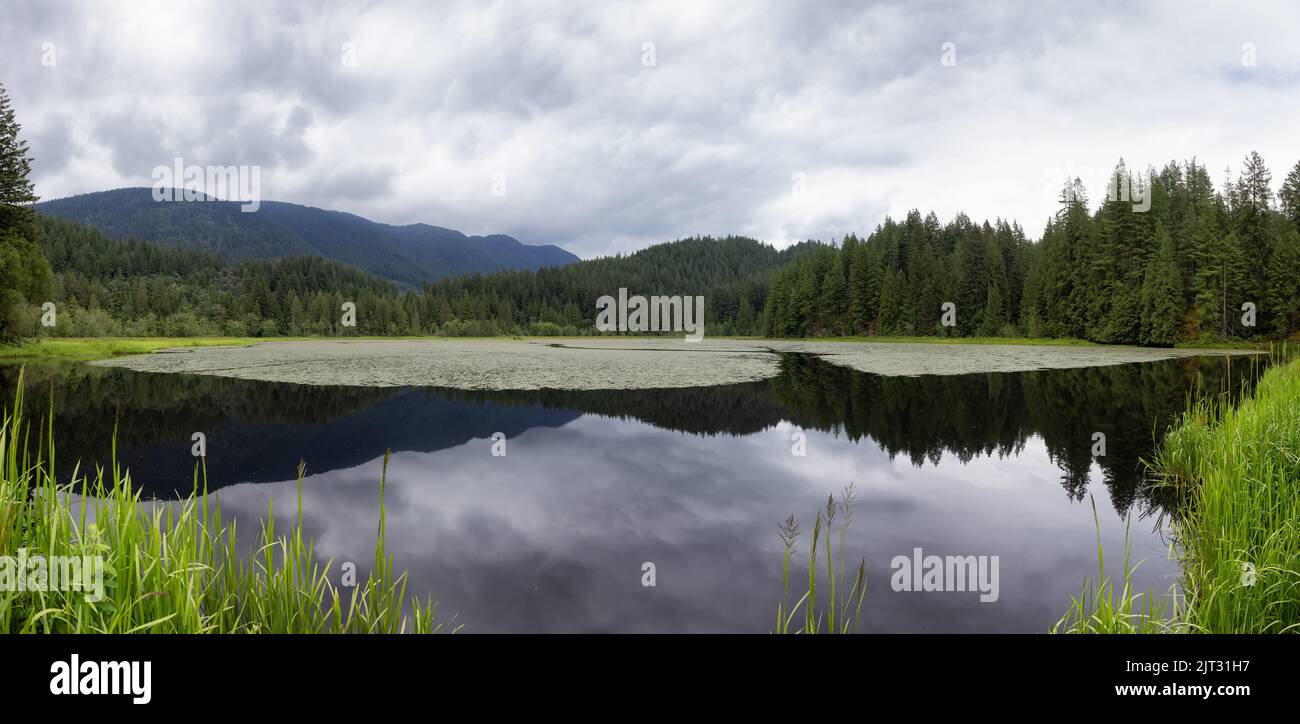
(833, 302)
(1289, 197)
(995, 306)
(1162, 295)
(15, 166)
(24, 272)
(1284, 283)
(1252, 199)
(972, 278)
(891, 303)
(1223, 278)
(863, 288)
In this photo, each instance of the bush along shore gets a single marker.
(89, 556)
(1235, 471)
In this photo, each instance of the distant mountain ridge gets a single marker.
(408, 255)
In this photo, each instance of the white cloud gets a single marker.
(601, 154)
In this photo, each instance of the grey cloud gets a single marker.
(52, 146)
(605, 155)
(259, 138)
(293, 149)
(134, 143)
(513, 81)
(354, 183)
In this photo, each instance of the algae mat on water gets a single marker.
(593, 363)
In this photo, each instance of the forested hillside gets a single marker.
(135, 288)
(408, 255)
(103, 286)
(1183, 270)
(732, 273)
(1178, 272)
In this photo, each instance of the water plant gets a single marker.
(1236, 472)
(1102, 607)
(173, 566)
(841, 610)
(1233, 472)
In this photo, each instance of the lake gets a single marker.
(552, 533)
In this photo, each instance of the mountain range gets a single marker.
(408, 255)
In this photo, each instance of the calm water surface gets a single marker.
(553, 535)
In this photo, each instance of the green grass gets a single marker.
(1235, 474)
(1232, 344)
(82, 349)
(838, 609)
(178, 567)
(1237, 471)
(85, 349)
(90, 348)
(1101, 607)
(1026, 341)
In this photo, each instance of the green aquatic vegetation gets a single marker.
(178, 567)
(840, 609)
(604, 363)
(1234, 474)
(1102, 607)
(91, 348)
(1236, 471)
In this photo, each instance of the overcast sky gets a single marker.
(781, 121)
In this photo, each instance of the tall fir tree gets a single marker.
(1162, 294)
(1289, 196)
(25, 276)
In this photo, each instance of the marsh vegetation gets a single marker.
(171, 568)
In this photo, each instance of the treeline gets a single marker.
(896, 281)
(103, 286)
(133, 288)
(1171, 260)
(732, 273)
